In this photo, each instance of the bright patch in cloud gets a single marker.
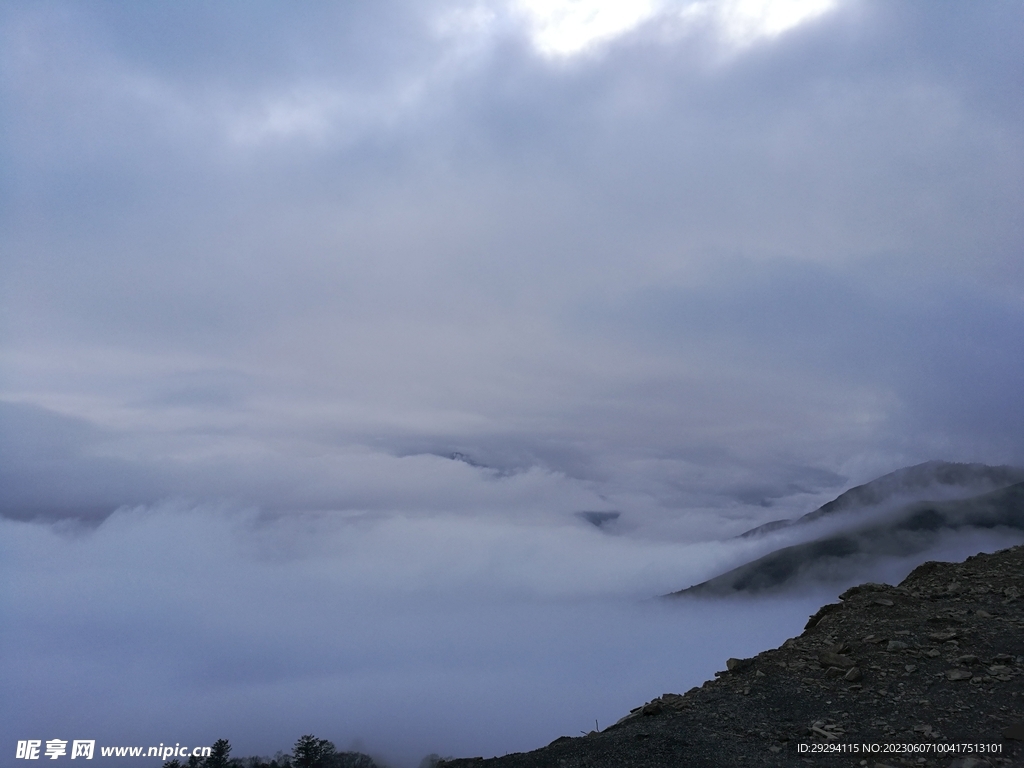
(568, 27)
(744, 21)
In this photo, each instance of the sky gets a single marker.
(376, 297)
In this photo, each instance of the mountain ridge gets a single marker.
(909, 530)
(939, 476)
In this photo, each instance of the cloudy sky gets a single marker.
(448, 272)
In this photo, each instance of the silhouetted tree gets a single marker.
(218, 754)
(175, 763)
(311, 752)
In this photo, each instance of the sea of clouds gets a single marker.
(402, 635)
(395, 634)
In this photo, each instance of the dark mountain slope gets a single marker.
(940, 476)
(907, 531)
(933, 480)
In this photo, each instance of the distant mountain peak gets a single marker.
(973, 478)
(942, 478)
(909, 531)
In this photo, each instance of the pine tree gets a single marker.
(311, 752)
(218, 754)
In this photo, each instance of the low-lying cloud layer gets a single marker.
(397, 636)
(361, 306)
(413, 636)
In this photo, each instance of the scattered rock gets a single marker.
(822, 612)
(829, 659)
(926, 730)
(970, 762)
(655, 707)
(735, 665)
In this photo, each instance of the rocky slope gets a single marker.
(935, 662)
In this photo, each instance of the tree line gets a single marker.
(308, 752)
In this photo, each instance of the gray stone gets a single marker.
(970, 762)
(734, 665)
(654, 707)
(829, 659)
